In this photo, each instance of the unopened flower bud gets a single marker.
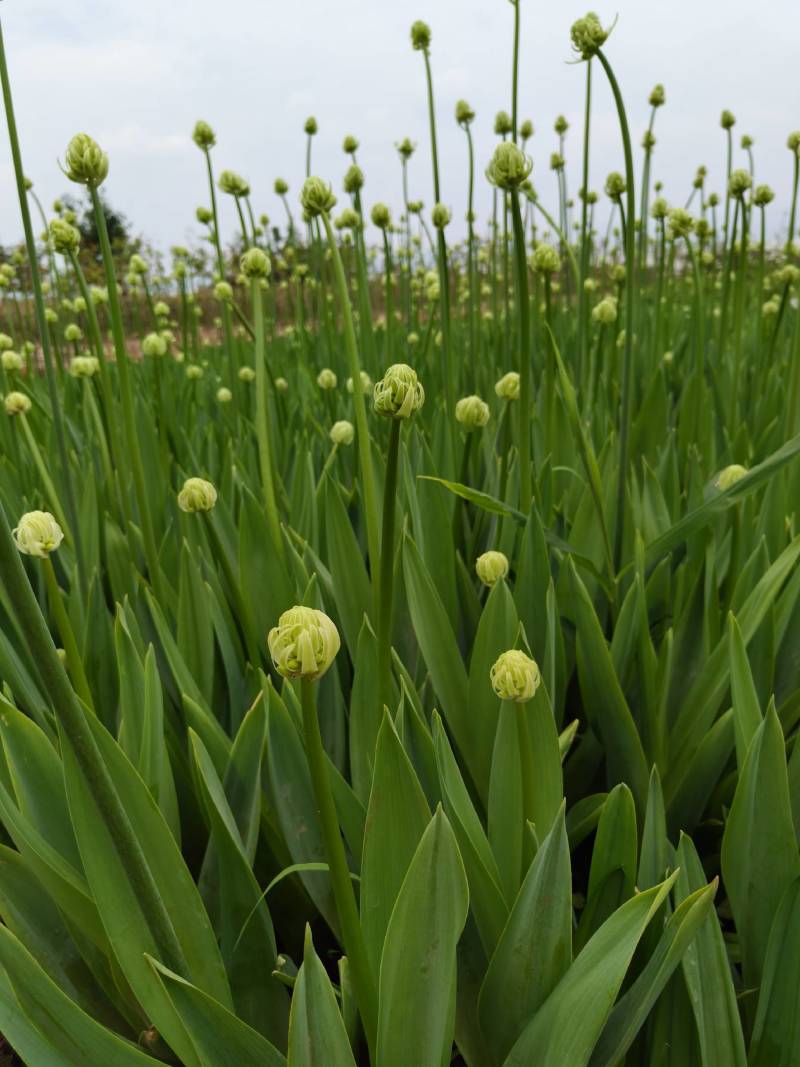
(197, 495)
(154, 346)
(545, 259)
(316, 197)
(246, 374)
(203, 135)
(420, 36)
(440, 216)
(399, 393)
(507, 387)
(11, 360)
(588, 35)
(38, 534)
(350, 144)
(66, 238)
(84, 366)
(726, 120)
(605, 312)
(224, 395)
(16, 403)
(509, 166)
(326, 379)
(194, 371)
(281, 385)
(464, 113)
(515, 676)
(615, 186)
(380, 216)
(739, 182)
(366, 383)
(658, 96)
(491, 567)
(304, 643)
(472, 412)
(353, 179)
(310, 126)
(255, 263)
(763, 195)
(342, 432)
(86, 162)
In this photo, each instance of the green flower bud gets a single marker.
(763, 195)
(556, 161)
(197, 494)
(738, 183)
(11, 360)
(5, 342)
(16, 404)
(137, 265)
(99, 295)
(726, 120)
(793, 142)
(502, 124)
(680, 223)
(561, 126)
(350, 144)
(440, 216)
(366, 383)
(203, 135)
(233, 184)
(73, 332)
(342, 432)
(509, 166)
(464, 113)
(204, 216)
(713, 200)
(615, 186)
(432, 287)
(194, 371)
(316, 197)
(730, 476)
(353, 179)
(223, 291)
(605, 312)
(310, 126)
(588, 35)
(648, 141)
(78, 306)
(281, 385)
(746, 142)
(515, 676)
(84, 366)
(491, 567)
(420, 36)
(86, 162)
(65, 238)
(381, 217)
(399, 393)
(224, 395)
(507, 387)
(304, 643)
(154, 346)
(526, 130)
(406, 148)
(281, 188)
(326, 379)
(472, 412)
(255, 263)
(161, 309)
(545, 259)
(51, 315)
(658, 97)
(37, 534)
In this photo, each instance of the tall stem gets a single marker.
(523, 310)
(262, 426)
(387, 564)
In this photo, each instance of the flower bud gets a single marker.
(84, 366)
(154, 346)
(281, 385)
(464, 113)
(763, 195)
(255, 263)
(509, 166)
(726, 120)
(680, 223)
(303, 644)
(73, 332)
(11, 360)
(197, 495)
(730, 476)
(310, 126)
(658, 96)
(224, 395)
(440, 216)
(739, 182)
(588, 35)
(350, 144)
(366, 383)
(38, 534)
(526, 130)
(204, 216)
(557, 161)
(65, 238)
(16, 404)
(406, 149)
(353, 179)
(507, 387)
(615, 186)
(561, 125)
(545, 259)
(342, 432)
(793, 142)
(491, 567)
(233, 184)
(381, 217)
(86, 162)
(194, 371)
(203, 135)
(515, 676)
(399, 393)
(316, 197)
(472, 412)
(51, 315)
(660, 208)
(420, 36)
(326, 379)
(605, 312)
(223, 291)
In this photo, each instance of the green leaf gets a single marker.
(416, 1013)
(746, 705)
(776, 1035)
(317, 1035)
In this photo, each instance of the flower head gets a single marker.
(342, 432)
(440, 216)
(507, 387)
(658, 96)
(233, 184)
(545, 259)
(515, 676)
(509, 166)
(203, 135)
(197, 495)
(326, 379)
(17, 404)
(588, 35)
(66, 238)
(304, 643)
(86, 162)
(316, 197)
(464, 113)
(84, 366)
(472, 412)
(420, 36)
(739, 182)
(38, 534)
(255, 263)
(10, 360)
(491, 567)
(154, 346)
(399, 393)
(310, 126)
(381, 217)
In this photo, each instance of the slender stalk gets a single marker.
(583, 303)
(262, 426)
(387, 565)
(523, 311)
(352, 937)
(74, 661)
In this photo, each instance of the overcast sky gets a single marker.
(136, 76)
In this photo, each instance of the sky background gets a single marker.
(136, 76)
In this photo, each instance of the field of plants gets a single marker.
(400, 630)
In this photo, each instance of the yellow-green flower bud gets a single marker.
(203, 135)
(326, 379)
(197, 495)
(154, 346)
(526, 130)
(381, 216)
(303, 644)
(680, 223)
(507, 388)
(310, 126)
(316, 197)
(65, 238)
(660, 208)
(406, 149)
(38, 534)
(86, 162)
(353, 179)
(233, 184)
(464, 113)
(615, 186)
(509, 166)
(472, 412)
(5, 342)
(224, 395)
(440, 216)
(84, 366)
(246, 374)
(739, 182)
(73, 332)
(350, 144)
(605, 312)
(51, 315)
(281, 385)
(515, 676)
(588, 35)
(730, 476)
(726, 120)
(420, 36)
(432, 288)
(11, 360)
(194, 371)
(255, 264)
(342, 432)
(16, 404)
(763, 195)
(491, 567)
(399, 393)
(204, 215)
(545, 259)
(658, 96)
(223, 291)
(502, 124)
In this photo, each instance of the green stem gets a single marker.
(352, 937)
(387, 565)
(64, 626)
(524, 444)
(262, 425)
(47, 481)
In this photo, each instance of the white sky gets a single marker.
(136, 76)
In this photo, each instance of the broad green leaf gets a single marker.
(317, 1035)
(776, 1035)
